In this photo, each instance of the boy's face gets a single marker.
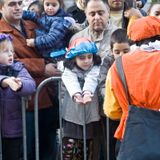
(6, 53)
(120, 49)
(51, 7)
(155, 11)
(84, 61)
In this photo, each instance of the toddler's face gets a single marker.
(6, 53)
(84, 61)
(120, 49)
(155, 11)
(51, 7)
(35, 8)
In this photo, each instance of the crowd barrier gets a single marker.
(41, 85)
(25, 106)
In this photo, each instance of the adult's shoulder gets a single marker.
(83, 33)
(111, 28)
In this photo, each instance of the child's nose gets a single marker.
(50, 7)
(10, 53)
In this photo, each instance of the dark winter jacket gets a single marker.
(107, 63)
(53, 32)
(10, 101)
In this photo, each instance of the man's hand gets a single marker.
(133, 12)
(51, 70)
(30, 42)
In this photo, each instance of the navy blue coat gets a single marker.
(10, 101)
(53, 33)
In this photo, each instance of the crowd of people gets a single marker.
(90, 45)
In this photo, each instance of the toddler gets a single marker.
(15, 82)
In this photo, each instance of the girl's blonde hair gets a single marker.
(5, 41)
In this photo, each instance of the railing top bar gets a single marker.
(44, 82)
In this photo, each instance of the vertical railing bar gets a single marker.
(107, 137)
(60, 119)
(84, 135)
(40, 86)
(24, 106)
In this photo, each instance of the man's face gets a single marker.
(12, 10)
(116, 5)
(97, 15)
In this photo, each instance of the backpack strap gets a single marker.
(121, 74)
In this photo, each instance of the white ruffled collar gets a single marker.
(152, 46)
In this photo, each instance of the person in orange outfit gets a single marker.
(141, 68)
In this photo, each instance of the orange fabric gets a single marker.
(142, 71)
(150, 28)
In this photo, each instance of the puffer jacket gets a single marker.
(10, 101)
(53, 33)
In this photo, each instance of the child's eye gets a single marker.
(116, 52)
(157, 13)
(81, 58)
(54, 4)
(90, 57)
(126, 50)
(47, 4)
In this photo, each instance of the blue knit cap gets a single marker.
(81, 46)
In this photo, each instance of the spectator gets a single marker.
(131, 13)
(35, 6)
(77, 11)
(99, 29)
(80, 104)
(26, 3)
(140, 68)
(15, 83)
(21, 30)
(119, 45)
(54, 30)
(116, 12)
(155, 10)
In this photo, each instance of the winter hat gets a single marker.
(81, 46)
(144, 28)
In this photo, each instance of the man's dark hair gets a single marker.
(70, 63)
(119, 36)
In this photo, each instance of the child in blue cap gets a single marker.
(80, 78)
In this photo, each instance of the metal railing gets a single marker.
(25, 106)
